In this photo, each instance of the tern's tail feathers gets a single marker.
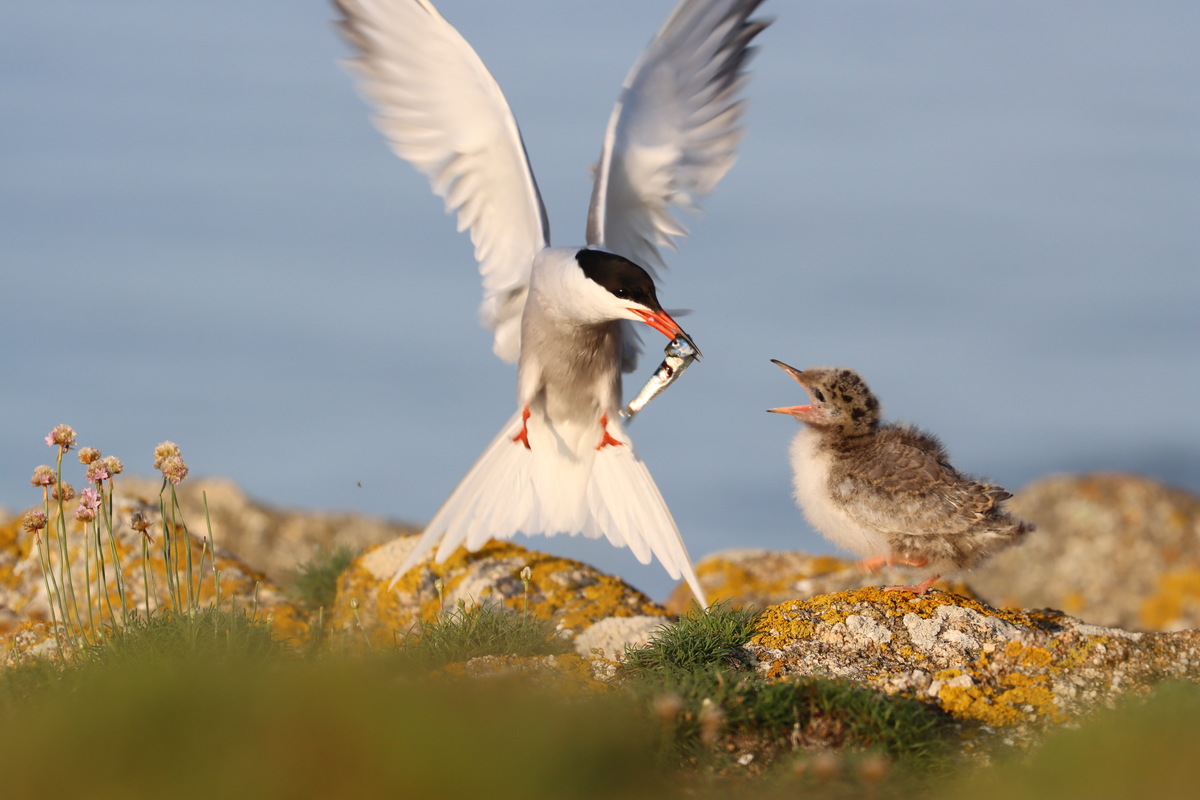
(628, 509)
(548, 490)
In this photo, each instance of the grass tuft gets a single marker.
(485, 629)
(209, 634)
(314, 582)
(698, 639)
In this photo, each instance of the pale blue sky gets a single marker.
(990, 209)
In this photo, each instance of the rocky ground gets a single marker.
(1103, 600)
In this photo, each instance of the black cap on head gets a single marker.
(620, 276)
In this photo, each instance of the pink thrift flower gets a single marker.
(89, 502)
(90, 499)
(173, 469)
(88, 454)
(43, 476)
(62, 436)
(164, 451)
(34, 521)
(64, 491)
(96, 473)
(112, 465)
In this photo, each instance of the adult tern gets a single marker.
(563, 463)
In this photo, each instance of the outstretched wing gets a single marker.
(442, 111)
(675, 128)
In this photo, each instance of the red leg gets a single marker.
(876, 563)
(523, 436)
(606, 439)
(873, 564)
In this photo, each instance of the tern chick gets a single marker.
(887, 492)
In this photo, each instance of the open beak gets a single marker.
(793, 410)
(797, 375)
(661, 321)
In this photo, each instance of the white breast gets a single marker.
(810, 476)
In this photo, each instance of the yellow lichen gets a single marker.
(771, 575)
(1028, 656)
(1074, 602)
(970, 702)
(1023, 679)
(1011, 686)
(554, 593)
(781, 623)
(1005, 708)
(777, 627)
(1176, 600)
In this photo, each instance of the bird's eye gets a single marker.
(622, 293)
(819, 395)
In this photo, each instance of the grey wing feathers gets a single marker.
(674, 131)
(908, 487)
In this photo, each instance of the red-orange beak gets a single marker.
(659, 320)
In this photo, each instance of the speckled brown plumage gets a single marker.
(888, 491)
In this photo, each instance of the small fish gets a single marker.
(681, 352)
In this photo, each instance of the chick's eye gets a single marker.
(817, 393)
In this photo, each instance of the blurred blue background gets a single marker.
(989, 209)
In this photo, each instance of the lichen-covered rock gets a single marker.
(26, 597)
(573, 595)
(269, 539)
(1004, 669)
(752, 577)
(1113, 549)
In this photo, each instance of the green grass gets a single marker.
(170, 638)
(313, 584)
(196, 706)
(267, 728)
(714, 708)
(699, 639)
(467, 632)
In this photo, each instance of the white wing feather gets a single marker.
(675, 128)
(441, 110)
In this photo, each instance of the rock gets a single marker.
(25, 598)
(1012, 670)
(609, 637)
(750, 577)
(271, 540)
(571, 594)
(1116, 550)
